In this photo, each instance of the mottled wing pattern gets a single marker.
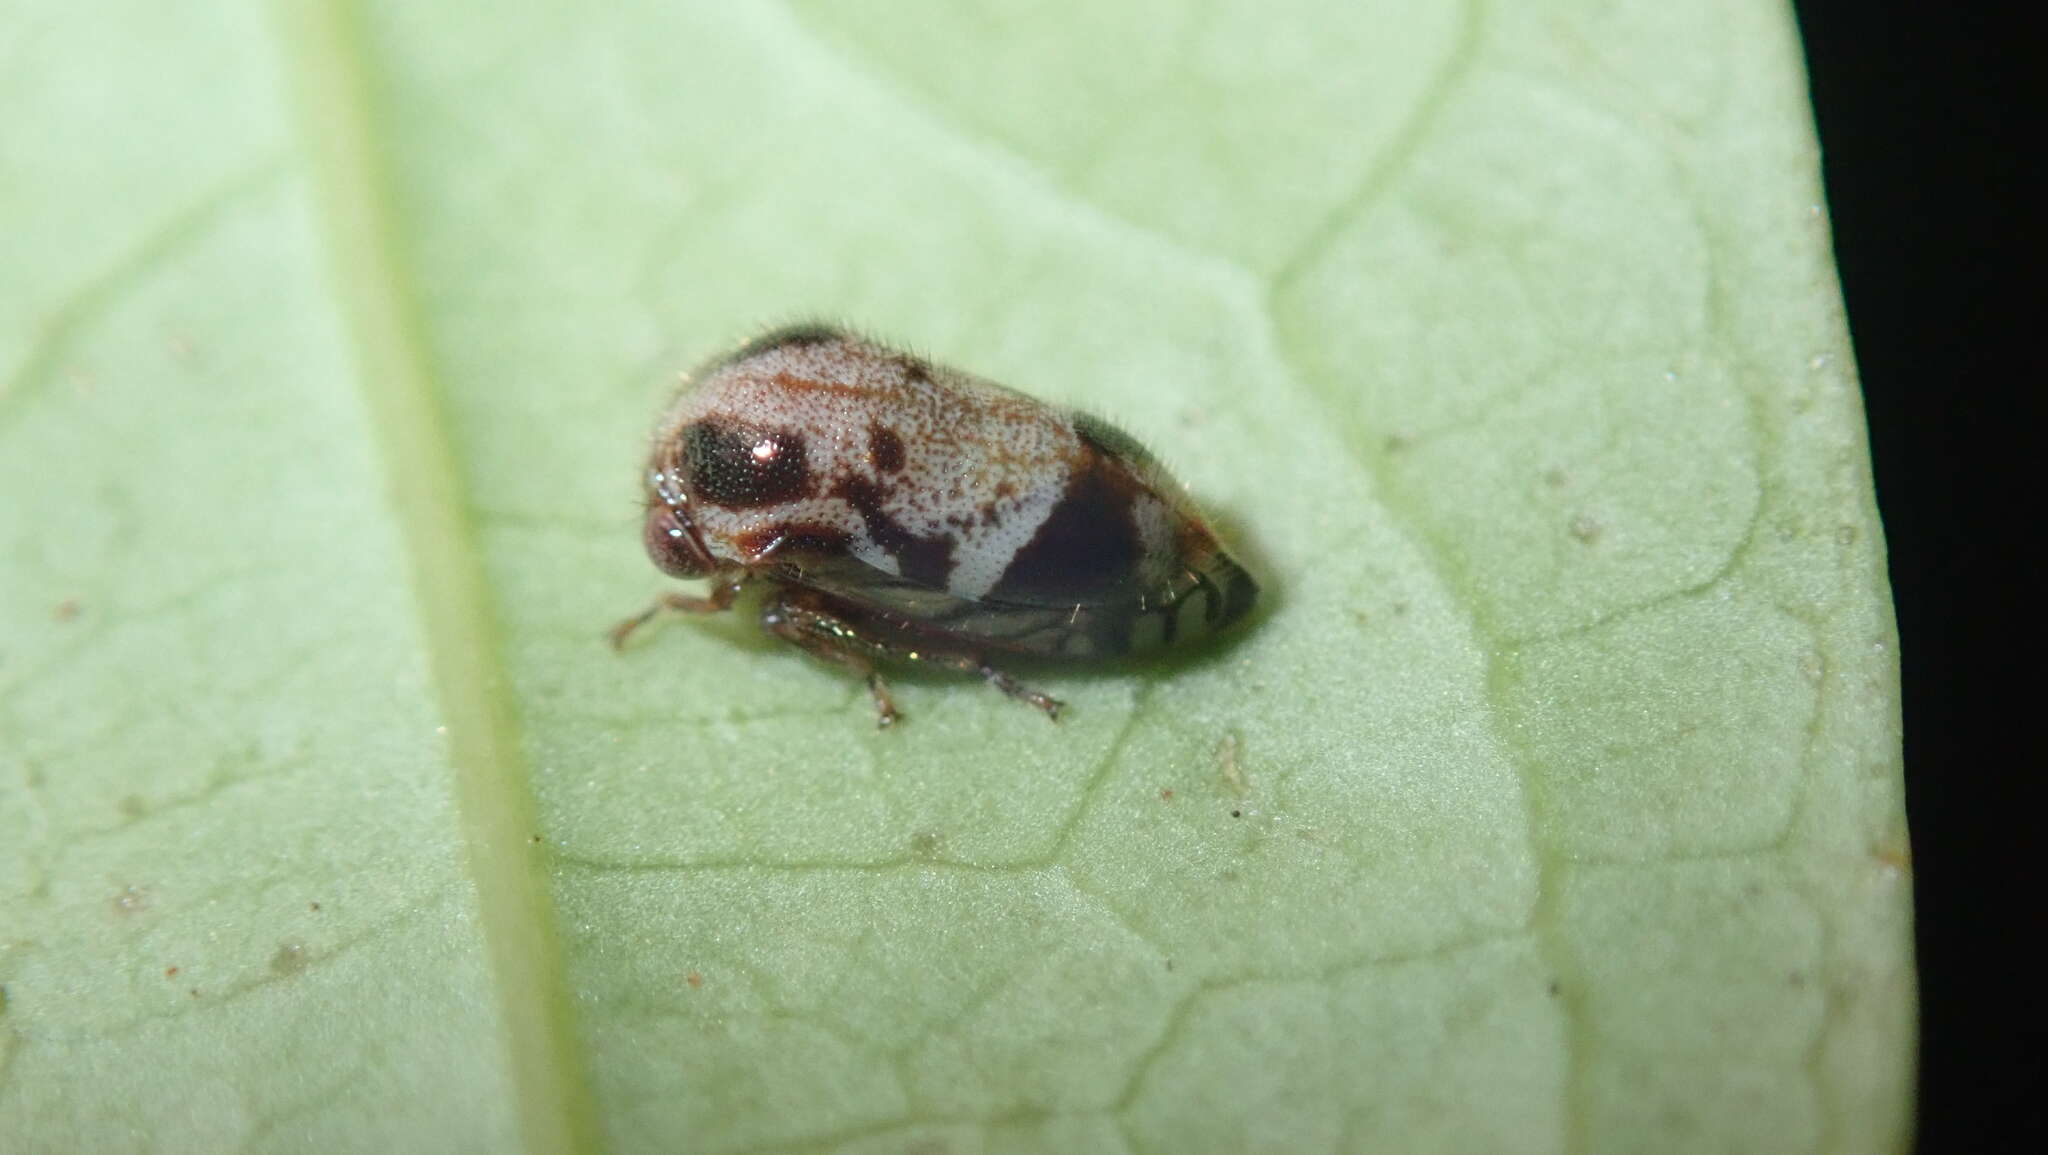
(936, 503)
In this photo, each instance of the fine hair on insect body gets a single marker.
(900, 510)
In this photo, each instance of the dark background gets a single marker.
(1920, 130)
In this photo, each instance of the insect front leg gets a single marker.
(718, 601)
(802, 620)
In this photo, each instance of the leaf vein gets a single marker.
(493, 790)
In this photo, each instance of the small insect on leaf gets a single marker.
(903, 511)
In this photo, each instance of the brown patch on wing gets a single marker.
(924, 560)
(1193, 543)
(885, 448)
(1088, 549)
(795, 384)
(771, 543)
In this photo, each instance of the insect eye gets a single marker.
(672, 543)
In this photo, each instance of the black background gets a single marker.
(1921, 130)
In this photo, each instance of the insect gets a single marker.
(901, 510)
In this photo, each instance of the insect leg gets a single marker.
(796, 619)
(836, 636)
(973, 664)
(1023, 693)
(719, 600)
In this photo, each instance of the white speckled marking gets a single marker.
(1117, 560)
(982, 465)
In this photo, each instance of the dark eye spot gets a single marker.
(744, 466)
(885, 449)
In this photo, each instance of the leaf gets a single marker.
(1553, 804)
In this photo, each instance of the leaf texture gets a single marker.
(1552, 804)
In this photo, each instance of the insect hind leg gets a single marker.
(971, 663)
(831, 634)
(1015, 689)
(803, 622)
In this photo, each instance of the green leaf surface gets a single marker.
(1553, 804)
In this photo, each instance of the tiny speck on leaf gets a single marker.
(1226, 764)
(1894, 855)
(170, 972)
(694, 979)
(66, 610)
(290, 959)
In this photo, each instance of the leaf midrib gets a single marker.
(323, 40)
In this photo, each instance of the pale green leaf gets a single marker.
(1553, 806)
